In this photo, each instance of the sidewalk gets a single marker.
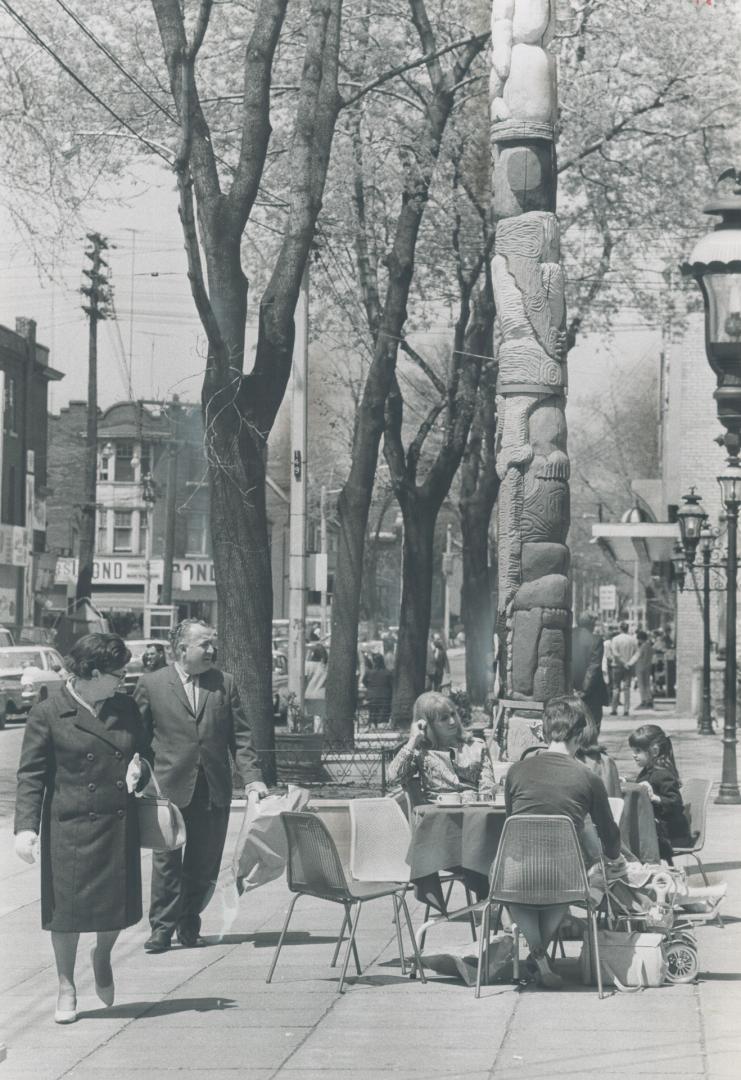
(208, 1013)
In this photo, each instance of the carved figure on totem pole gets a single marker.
(533, 465)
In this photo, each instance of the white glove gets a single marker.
(133, 773)
(256, 788)
(26, 845)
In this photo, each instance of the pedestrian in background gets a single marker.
(378, 682)
(642, 663)
(623, 647)
(79, 766)
(154, 657)
(587, 679)
(194, 717)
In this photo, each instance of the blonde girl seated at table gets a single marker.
(442, 756)
(653, 754)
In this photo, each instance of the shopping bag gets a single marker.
(461, 961)
(260, 854)
(630, 960)
(161, 825)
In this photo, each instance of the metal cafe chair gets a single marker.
(539, 863)
(696, 795)
(314, 869)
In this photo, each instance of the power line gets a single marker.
(116, 62)
(80, 82)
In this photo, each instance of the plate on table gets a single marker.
(484, 802)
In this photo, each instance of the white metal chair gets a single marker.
(314, 869)
(695, 796)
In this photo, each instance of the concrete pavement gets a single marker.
(208, 1013)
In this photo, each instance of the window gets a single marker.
(196, 538)
(143, 523)
(11, 510)
(146, 459)
(122, 532)
(11, 406)
(124, 468)
(104, 469)
(101, 531)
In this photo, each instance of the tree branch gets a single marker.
(423, 365)
(393, 73)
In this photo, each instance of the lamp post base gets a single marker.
(728, 795)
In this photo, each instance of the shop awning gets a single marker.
(646, 541)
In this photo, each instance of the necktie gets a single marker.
(191, 689)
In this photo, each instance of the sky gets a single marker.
(157, 335)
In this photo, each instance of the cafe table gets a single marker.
(461, 838)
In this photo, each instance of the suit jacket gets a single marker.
(182, 740)
(586, 665)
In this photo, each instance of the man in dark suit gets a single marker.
(587, 650)
(194, 717)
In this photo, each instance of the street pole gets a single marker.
(297, 517)
(98, 295)
(323, 549)
(168, 555)
(728, 792)
(706, 719)
(448, 552)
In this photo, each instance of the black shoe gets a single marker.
(158, 942)
(190, 939)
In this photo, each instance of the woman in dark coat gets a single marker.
(79, 766)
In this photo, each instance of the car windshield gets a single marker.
(9, 661)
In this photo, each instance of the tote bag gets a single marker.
(161, 825)
(629, 960)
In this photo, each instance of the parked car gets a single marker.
(37, 635)
(28, 674)
(280, 687)
(135, 666)
(6, 638)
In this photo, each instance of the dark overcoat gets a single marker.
(184, 740)
(72, 785)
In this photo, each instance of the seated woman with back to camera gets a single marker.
(441, 756)
(553, 782)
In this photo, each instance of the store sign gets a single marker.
(607, 598)
(14, 545)
(133, 571)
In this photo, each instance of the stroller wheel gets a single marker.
(681, 962)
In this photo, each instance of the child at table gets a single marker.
(653, 753)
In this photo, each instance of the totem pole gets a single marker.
(533, 509)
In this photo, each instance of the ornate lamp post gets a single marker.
(730, 489)
(715, 264)
(695, 532)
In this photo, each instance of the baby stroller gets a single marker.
(655, 906)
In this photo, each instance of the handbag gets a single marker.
(630, 961)
(161, 825)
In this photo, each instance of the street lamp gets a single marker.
(707, 540)
(715, 264)
(691, 518)
(695, 532)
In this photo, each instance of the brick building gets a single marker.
(690, 457)
(26, 570)
(134, 442)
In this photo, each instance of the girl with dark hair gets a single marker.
(78, 770)
(654, 755)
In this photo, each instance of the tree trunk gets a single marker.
(414, 620)
(243, 585)
(478, 612)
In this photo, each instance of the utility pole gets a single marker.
(172, 480)
(297, 530)
(98, 294)
(323, 549)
